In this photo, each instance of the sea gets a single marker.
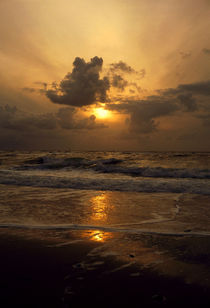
(154, 192)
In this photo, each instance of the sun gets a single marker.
(101, 113)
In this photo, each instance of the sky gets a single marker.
(114, 75)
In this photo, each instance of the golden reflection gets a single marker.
(97, 235)
(100, 206)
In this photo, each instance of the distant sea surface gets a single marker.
(137, 191)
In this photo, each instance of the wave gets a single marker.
(113, 165)
(47, 162)
(196, 186)
(104, 228)
(157, 172)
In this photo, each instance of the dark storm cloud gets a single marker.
(206, 51)
(82, 86)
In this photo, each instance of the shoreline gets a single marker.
(35, 272)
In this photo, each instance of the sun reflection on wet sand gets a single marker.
(97, 235)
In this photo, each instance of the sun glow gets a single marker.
(101, 113)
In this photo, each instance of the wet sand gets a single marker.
(77, 269)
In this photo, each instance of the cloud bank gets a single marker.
(66, 118)
(144, 114)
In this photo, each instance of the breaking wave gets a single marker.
(114, 165)
(196, 186)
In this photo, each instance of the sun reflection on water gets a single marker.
(97, 235)
(100, 207)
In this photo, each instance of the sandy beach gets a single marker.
(74, 269)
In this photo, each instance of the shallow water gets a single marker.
(145, 192)
(107, 211)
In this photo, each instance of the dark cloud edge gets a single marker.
(11, 118)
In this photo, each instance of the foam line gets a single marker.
(150, 221)
(102, 228)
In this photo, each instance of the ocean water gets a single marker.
(134, 192)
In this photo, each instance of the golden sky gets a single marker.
(147, 63)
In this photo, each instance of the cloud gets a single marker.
(122, 66)
(205, 119)
(142, 73)
(188, 102)
(66, 118)
(144, 115)
(125, 68)
(13, 119)
(29, 89)
(206, 51)
(119, 82)
(116, 74)
(197, 88)
(23, 130)
(140, 125)
(40, 88)
(135, 86)
(82, 86)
